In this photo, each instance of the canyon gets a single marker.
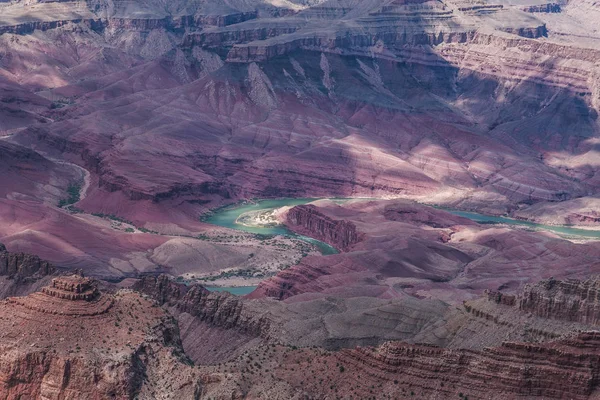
(129, 128)
(173, 111)
(391, 248)
(517, 345)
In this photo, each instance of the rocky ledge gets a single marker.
(219, 309)
(569, 300)
(563, 369)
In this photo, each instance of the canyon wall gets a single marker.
(511, 370)
(569, 300)
(220, 309)
(307, 220)
(23, 265)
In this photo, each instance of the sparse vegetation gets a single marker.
(112, 217)
(73, 195)
(61, 103)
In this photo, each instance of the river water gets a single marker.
(559, 229)
(227, 217)
(237, 290)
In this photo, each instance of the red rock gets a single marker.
(404, 247)
(70, 340)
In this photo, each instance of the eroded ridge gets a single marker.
(67, 295)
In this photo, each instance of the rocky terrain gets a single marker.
(491, 347)
(247, 348)
(161, 112)
(124, 123)
(22, 273)
(71, 341)
(393, 248)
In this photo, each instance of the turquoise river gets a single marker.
(227, 217)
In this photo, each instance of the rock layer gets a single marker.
(570, 300)
(478, 374)
(22, 264)
(307, 219)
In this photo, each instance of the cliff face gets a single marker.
(30, 27)
(22, 273)
(227, 19)
(23, 265)
(221, 38)
(307, 220)
(573, 301)
(513, 369)
(570, 300)
(260, 52)
(224, 310)
(219, 309)
(161, 289)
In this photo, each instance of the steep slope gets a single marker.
(424, 372)
(491, 348)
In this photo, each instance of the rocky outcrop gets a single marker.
(220, 309)
(23, 265)
(569, 300)
(501, 298)
(226, 19)
(295, 280)
(29, 27)
(224, 310)
(71, 295)
(221, 38)
(161, 288)
(56, 346)
(543, 8)
(564, 369)
(307, 220)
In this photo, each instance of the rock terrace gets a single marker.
(68, 295)
(72, 287)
